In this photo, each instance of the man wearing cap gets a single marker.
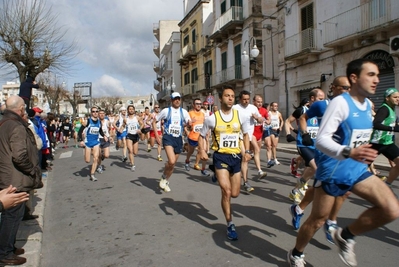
(384, 126)
(175, 118)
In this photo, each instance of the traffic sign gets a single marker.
(210, 99)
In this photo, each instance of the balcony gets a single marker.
(157, 85)
(155, 30)
(156, 49)
(156, 66)
(229, 23)
(190, 89)
(205, 82)
(167, 68)
(163, 95)
(367, 19)
(229, 75)
(300, 45)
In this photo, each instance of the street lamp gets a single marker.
(245, 56)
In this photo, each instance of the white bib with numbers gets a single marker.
(360, 137)
(229, 140)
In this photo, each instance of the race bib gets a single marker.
(229, 141)
(132, 127)
(94, 130)
(360, 137)
(313, 132)
(275, 124)
(197, 128)
(158, 126)
(174, 130)
(66, 128)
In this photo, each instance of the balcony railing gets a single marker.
(190, 49)
(359, 20)
(233, 14)
(166, 68)
(157, 85)
(229, 74)
(205, 81)
(163, 95)
(190, 88)
(156, 48)
(308, 40)
(156, 66)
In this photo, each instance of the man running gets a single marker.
(342, 156)
(77, 123)
(175, 118)
(91, 131)
(250, 113)
(197, 118)
(66, 129)
(226, 125)
(276, 125)
(145, 131)
(134, 124)
(158, 129)
(104, 145)
(385, 127)
(121, 132)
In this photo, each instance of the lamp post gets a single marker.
(254, 52)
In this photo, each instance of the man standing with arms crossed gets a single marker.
(226, 125)
(174, 119)
(251, 114)
(342, 156)
(197, 118)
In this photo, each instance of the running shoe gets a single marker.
(197, 167)
(295, 261)
(149, 149)
(133, 168)
(262, 174)
(296, 217)
(167, 188)
(248, 187)
(102, 156)
(162, 183)
(187, 166)
(100, 169)
(124, 159)
(345, 248)
(276, 162)
(231, 232)
(383, 178)
(159, 158)
(214, 179)
(329, 230)
(92, 178)
(205, 173)
(296, 174)
(270, 163)
(117, 146)
(294, 196)
(293, 164)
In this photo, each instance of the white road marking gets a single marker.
(66, 155)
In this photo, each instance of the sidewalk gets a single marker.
(381, 163)
(30, 232)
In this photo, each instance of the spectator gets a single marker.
(18, 166)
(25, 90)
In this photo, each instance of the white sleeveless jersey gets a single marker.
(274, 120)
(132, 125)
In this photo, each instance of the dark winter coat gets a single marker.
(25, 89)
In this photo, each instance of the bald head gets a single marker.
(16, 104)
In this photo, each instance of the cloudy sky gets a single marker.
(116, 40)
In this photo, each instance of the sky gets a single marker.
(116, 41)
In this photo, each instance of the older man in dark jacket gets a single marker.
(19, 166)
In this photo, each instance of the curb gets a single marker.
(30, 233)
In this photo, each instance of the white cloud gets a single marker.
(108, 86)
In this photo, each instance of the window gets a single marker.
(307, 17)
(237, 61)
(236, 3)
(194, 75)
(224, 60)
(222, 7)
(186, 40)
(193, 36)
(186, 78)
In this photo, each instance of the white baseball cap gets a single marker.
(174, 95)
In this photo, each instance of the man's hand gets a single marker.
(203, 155)
(364, 154)
(11, 199)
(247, 157)
(290, 138)
(306, 140)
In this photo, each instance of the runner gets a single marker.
(66, 129)
(305, 151)
(145, 131)
(104, 145)
(339, 85)
(134, 124)
(174, 119)
(158, 129)
(77, 123)
(197, 118)
(276, 125)
(112, 132)
(90, 132)
(121, 132)
(342, 156)
(207, 113)
(226, 125)
(383, 135)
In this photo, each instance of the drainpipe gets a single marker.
(286, 90)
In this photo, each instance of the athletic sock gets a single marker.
(296, 253)
(346, 234)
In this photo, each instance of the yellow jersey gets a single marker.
(226, 134)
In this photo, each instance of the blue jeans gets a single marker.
(10, 220)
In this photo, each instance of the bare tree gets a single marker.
(106, 102)
(74, 98)
(53, 90)
(31, 41)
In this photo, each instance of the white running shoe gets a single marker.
(295, 261)
(345, 248)
(167, 188)
(162, 183)
(92, 178)
(262, 174)
(133, 168)
(276, 162)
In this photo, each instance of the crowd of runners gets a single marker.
(337, 136)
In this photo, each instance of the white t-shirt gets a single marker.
(209, 123)
(246, 114)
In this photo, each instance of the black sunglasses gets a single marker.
(94, 111)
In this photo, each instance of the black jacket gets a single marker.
(25, 89)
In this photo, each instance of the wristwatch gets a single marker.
(346, 152)
(248, 151)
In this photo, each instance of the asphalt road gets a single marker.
(125, 220)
